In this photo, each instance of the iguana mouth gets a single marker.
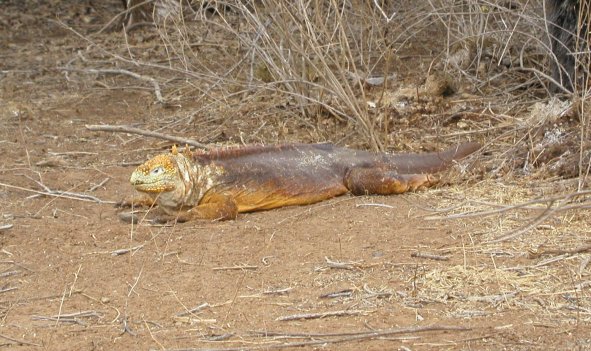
(156, 187)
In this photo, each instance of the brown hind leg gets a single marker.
(366, 181)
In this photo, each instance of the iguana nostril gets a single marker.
(134, 179)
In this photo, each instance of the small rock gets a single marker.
(128, 217)
(440, 84)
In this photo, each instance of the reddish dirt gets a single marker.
(62, 288)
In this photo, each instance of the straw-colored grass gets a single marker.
(340, 71)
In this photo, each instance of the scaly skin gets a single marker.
(220, 184)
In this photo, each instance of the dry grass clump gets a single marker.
(310, 61)
(549, 209)
(504, 47)
(372, 74)
(502, 51)
(322, 57)
(470, 292)
(495, 45)
(355, 70)
(532, 251)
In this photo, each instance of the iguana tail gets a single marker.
(432, 161)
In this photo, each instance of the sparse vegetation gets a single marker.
(501, 248)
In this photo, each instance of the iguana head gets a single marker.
(159, 174)
(164, 176)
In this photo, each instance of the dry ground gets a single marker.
(74, 277)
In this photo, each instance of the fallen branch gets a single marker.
(69, 318)
(554, 205)
(132, 130)
(151, 80)
(376, 293)
(374, 205)
(235, 268)
(342, 293)
(8, 274)
(381, 332)
(20, 342)
(66, 193)
(513, 234)
(342, 313)
(341, 265)
(39, 298)
(505, 208)
(62, 194)
(82, 314)
(580, 249)
(192, 310)
(551, 260)
(321, 339)
(429, 256)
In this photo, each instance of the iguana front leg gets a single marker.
(366, 181)
(138, 200)
(212, 211)
(212, 207)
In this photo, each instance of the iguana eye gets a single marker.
(157, 171)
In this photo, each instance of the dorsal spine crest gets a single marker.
(226, 152)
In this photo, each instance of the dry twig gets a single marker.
(20, 342)
(584, 264)
(7, 289)
(576, 250)
(127, 250)
(376, 293)
(233, 268)
(278, 291)
(126, 129)
(342, 293)
(8, 274)
(62, 194)
(69, 318)
(550, 210)
(342, 313)
(341, 265)
(96, 186)
(322, 339)
(429, 256)
(505, 208)
(151, 80)
(192, 310)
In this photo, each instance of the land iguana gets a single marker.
(220, 184)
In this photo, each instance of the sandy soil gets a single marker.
(75, 277)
